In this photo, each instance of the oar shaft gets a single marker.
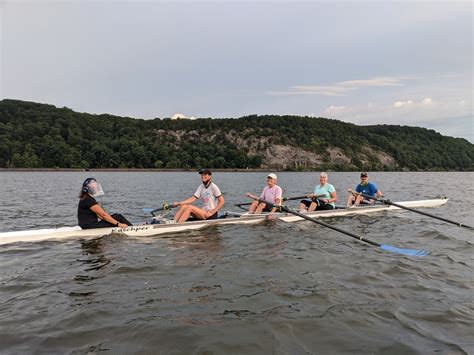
(284, 199)
(431, 215)
(164, 207)
(350, 234)
(289, 210)
(295, 198)
(388, 202)
(392, 249)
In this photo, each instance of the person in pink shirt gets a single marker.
(271, 193)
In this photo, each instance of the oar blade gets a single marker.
(153, 210)
(410, 252)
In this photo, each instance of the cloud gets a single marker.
(374, 82)
(313, 90)
(426, 112)
(426, 101)
(402, 103)
(341, 88)
(334, 110)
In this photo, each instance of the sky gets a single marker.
(373, 62)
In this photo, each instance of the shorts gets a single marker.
(307, 203)
(214, 216)
(320, 206)
(363, 202)
(267, 208)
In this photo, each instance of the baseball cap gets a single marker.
(364, 174)
(205, 171)
(273, 176)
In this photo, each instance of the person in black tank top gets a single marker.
(90, 214)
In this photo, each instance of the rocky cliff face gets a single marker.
(282, 156)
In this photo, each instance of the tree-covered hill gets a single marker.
(36, 135)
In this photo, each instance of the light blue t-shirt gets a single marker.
(325, 191)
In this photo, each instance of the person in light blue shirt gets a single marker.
(365, 187)
(322, 198)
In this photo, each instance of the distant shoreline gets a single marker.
(260, 170)
(132, 169)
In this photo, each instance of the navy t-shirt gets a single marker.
(85, 216)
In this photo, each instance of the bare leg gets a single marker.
(180, 212)
(302, 207)
(358, 200)
(253, 207)
(260, 207)
(312, 207)
(192, 210)
(350, 200)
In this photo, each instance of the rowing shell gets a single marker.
(146, 230)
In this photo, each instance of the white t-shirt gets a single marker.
(208, 196)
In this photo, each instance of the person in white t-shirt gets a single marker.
(210, 196)
(271, 193)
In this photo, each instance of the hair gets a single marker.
(84, 190)
(323, 174)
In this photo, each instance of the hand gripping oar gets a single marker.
(165, 207)
(410, 252)
(388, 202)
(284, 199)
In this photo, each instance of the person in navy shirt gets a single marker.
(365, 187)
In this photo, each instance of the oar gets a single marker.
(284, 199)
(165, 207)
(410, 252)
(388, 202)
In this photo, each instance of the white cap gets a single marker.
(273, 176)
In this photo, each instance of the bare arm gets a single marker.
(248, 194)
(333, 197)
(220, 203)
(99, 211)
(277, 203)
(188, 201)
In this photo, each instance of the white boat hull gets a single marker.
(147, 230)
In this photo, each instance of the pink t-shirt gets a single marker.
(271, 194)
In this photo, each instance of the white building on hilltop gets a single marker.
(180, 116)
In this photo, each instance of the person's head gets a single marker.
(364, 178)
(271, 180)
(323, 178)
(206, 176)
(91, 187)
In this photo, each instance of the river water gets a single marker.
(276, 287)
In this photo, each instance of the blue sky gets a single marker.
(392, 62)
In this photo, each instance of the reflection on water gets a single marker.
(94, 259)
(200, 249)
(94, 251)
(274, 287)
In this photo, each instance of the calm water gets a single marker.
(271, 288)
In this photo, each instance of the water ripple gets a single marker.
(274, 287)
